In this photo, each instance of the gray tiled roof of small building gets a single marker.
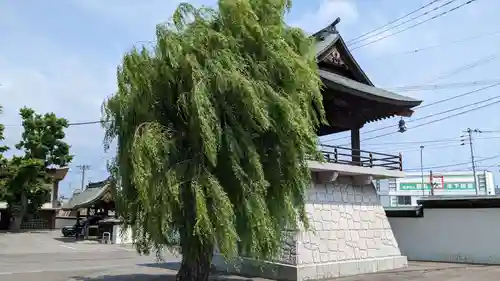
(87, 196)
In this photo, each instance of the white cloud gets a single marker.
(327, 12)
(136, 16)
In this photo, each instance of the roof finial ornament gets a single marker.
(332, 28)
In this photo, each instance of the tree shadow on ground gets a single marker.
(168, 274)
(73, 240)
(153, 277)
(129, 277)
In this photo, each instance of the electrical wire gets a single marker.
(436, 141)
(393, 21)
(414, 25)
(454, 164)
(72, 124)
(433, 87)
(457, 96)
(86, 123)
(437, 120)
(350, 43)
(467, 67)
(431, 148)
(431, 47)
(431, 115)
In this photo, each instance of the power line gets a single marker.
(392, 21)
(432, 87)
(72, 123)
(417, 148)
(454, 164)
(436, 141)
(467, 93)
(448, 43)
(437, 120)
(431, 115)
(443, 145)
(467, 67)
(414, 25)
(86, 123)
(457, 96)
(430, 147)
(404, 22)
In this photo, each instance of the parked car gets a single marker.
(72, 230)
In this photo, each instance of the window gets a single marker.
(404, 200)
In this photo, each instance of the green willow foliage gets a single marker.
(213, 128)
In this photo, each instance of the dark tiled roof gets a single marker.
(87, 197)
(325, 39)
(344, 84)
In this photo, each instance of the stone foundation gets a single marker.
(349, 235)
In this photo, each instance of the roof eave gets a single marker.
(409, 103)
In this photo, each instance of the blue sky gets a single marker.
(61, 56)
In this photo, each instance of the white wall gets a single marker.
(450, 235)
(60, 222)
(121, 236)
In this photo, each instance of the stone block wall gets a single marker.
(349, 234)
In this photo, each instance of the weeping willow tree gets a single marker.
(213, 126)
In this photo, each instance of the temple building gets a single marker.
(350, 233)
(45, 218)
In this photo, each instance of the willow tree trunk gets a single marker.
(196, 267)
(197, 252)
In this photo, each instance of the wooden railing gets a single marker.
(357, 157)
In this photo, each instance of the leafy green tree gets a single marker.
(213, 129)
(28, 184)
(3, 162)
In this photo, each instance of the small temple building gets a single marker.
(45, 218)
(350, 233)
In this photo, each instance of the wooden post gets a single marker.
(400, 161)
(355, 146)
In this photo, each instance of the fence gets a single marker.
(349, 156)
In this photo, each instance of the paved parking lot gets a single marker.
(49, 242)
(42, 255)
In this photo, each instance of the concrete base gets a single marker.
(349, 234)
(287, 272)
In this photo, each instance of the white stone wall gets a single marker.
(349, 234)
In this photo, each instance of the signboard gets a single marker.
(438, 182)
(438, 185)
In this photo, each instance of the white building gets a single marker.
(406, 191)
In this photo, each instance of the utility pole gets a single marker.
(422, 167)
(469, 132)
(431, 181)
(83, 168)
